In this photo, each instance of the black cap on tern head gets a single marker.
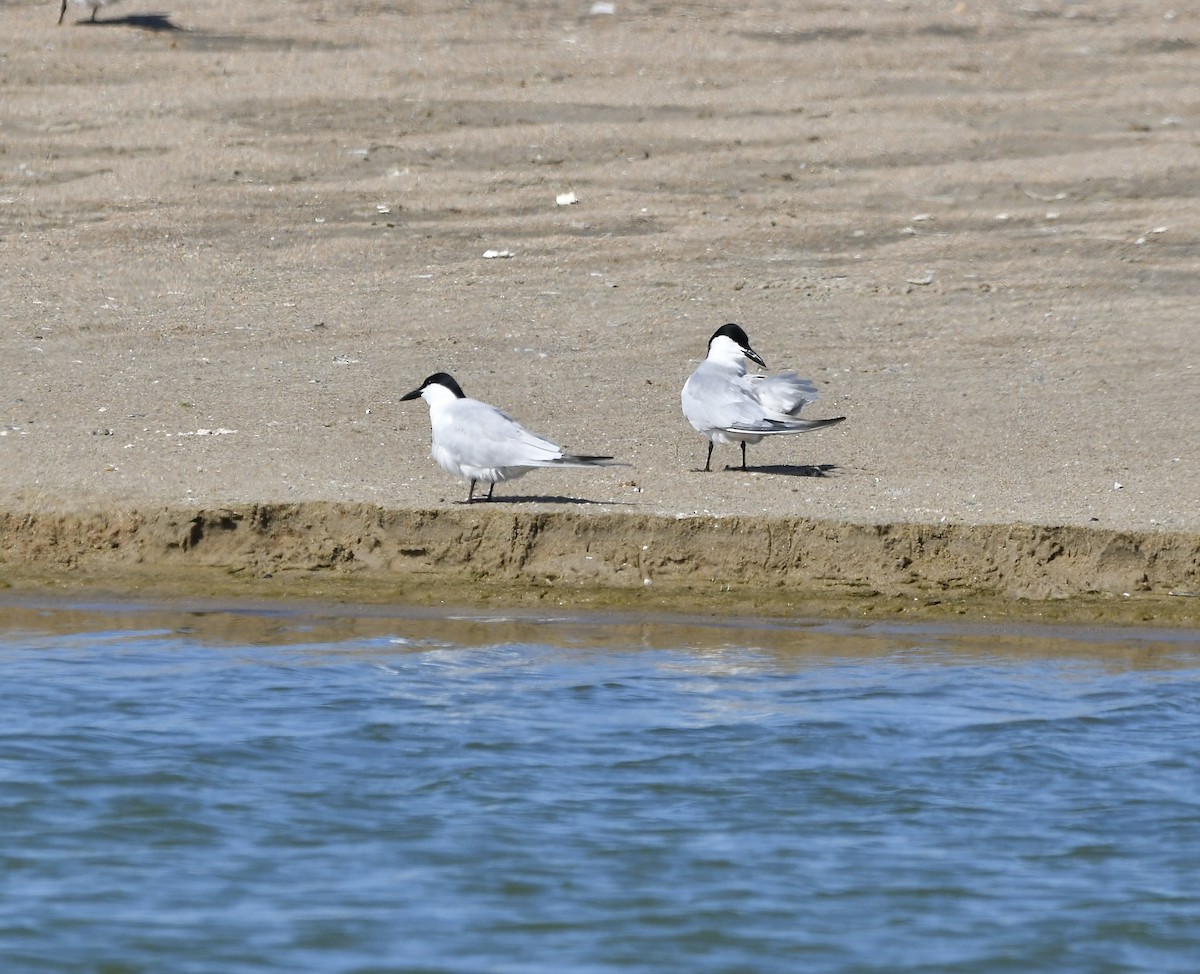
(437, 379)
(732, 332)
(739, 337)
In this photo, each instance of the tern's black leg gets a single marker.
(708, 459)
(95, 10)
(471, 492)
(490, 489)
(62, 13)
(743, 454)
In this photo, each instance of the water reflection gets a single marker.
(789, 643)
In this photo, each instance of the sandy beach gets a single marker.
(232, 236)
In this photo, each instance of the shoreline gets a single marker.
(490, 555)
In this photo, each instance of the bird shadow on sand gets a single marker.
(151, 22)
(539, 499)
(790, 469)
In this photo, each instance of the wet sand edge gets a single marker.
(497, 556)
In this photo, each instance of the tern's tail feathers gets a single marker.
(571, 460)
(771, 427)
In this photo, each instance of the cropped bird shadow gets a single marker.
(540, 499)
(791, 469)
(152, 22)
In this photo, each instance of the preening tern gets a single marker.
(477, 442)
(729, 406)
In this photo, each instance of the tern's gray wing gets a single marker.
(771, 426)
(483, 436)
(782, 395)
(719, 399)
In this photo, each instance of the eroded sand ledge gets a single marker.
(494, 555)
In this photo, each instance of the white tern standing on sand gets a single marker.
(477, 442)
(728, 406)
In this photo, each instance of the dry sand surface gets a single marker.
(232, 235)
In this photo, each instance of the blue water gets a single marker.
(249, 791)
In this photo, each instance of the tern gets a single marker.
(94, 4)
(730, 406)
(477, 442)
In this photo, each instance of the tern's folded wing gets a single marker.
(771, 427)
(484, 436)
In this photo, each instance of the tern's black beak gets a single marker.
(753, 356)
(415, 394)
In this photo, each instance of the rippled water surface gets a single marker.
(246, 791)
